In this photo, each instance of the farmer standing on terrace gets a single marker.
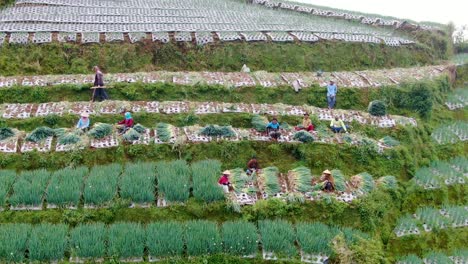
(99, 90)
(331, 94)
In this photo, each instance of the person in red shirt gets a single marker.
(224, 181)
(126, 123)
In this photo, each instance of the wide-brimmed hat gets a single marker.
(85, 114)
(326, 172)
(226, 172)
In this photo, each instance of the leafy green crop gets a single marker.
(7, 177)
(278, 236)
(69, 138)
(137, 183)
(66, 186)
(165, 239)
(239, 238)
(205, 180)
(304, 136)
(101, 185)
(88, 241)
(377, 108)
(340, 181)
(47, 242)
(131, 135)
(315, 238)
(29, 188)
(269, 177)
(13, 242)
(6, 132)
(126, 240)
(202, 238)
(100, 130)
(259, 123)
(164, 132)
(302, 178)
(139, 128)
(215, 131)
(389, 141)
(173, 180)
(40, 134)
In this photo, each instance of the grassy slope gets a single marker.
(57, 58)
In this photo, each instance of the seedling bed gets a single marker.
(106, 142)
(18, 111)
(42, 146)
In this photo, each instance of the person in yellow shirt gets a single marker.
(306, 124)
(337, 125)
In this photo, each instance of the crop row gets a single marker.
(168, 182)
(430, 218)
(459, 256)
(135, 183)
(130, 241)
(441, 173)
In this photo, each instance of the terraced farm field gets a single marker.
(391, 188)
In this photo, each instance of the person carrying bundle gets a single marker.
(99, 90)
(224, 181)
(273, 129)
(328, 181)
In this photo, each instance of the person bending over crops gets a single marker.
(306, 124)
(83, 123)
(273, 129)
(125, 124)
(252, 166)
(98, 84)
(224, 181)
(328, 181)
(337, 125)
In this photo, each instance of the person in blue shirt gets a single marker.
(273, 129)
(331, 94)
(83, 123)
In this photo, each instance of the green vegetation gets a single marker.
(101, 184)
(218, 131)
(6, 132)
(39, 134)
(66, 186)
(137, 183)
(278, 237)
(13, 242)
(7, 177)
(202, 238)
(315, 238)
(173, 180)
(54, 58)
(87, 241)
(100, 130)
(239, 238)
(205, 180)
(126, 240)
(28, 189)
(164, 239)
(47, 242)
(377, 108)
